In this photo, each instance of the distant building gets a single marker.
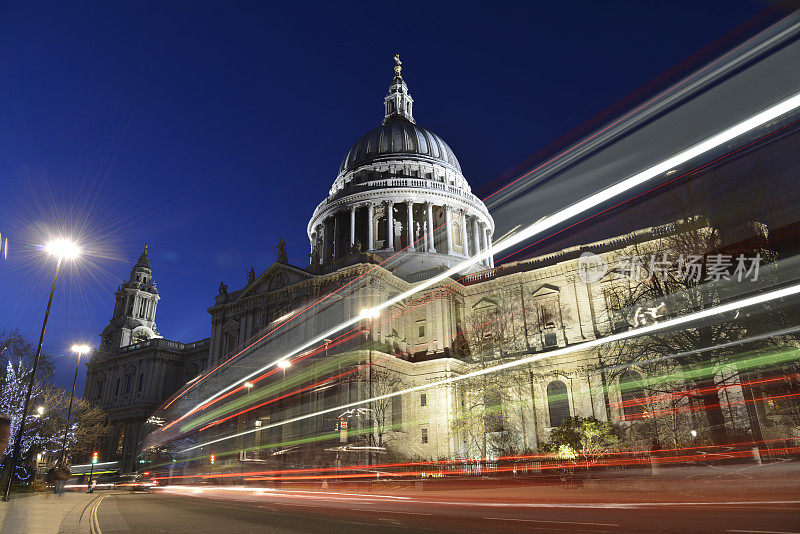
(135, 369)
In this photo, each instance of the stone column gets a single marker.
(389, 225)
(464, 244)
(335, 236)
(323, 249)
(352, 226)
(482, 238)
(476, 240)
(490, 259)
(410, 223)
(448, 230)
(431, 241)
(370, 217)
(319, 242)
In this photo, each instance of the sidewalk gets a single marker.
(44, 513)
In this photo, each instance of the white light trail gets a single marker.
(665, 325)
(582, 206)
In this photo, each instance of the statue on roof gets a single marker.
(223, 289)
(399, 65)
(251, 276)
(281, 248)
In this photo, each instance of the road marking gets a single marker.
(558, 522)
(94, 524)
(399, 512)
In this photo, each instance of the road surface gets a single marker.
(243, 511)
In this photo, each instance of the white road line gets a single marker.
(557, 522)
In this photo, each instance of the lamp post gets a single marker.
(369, 314)
(284, 364)
(61, 249)
(80, 350)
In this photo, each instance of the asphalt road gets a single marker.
(277, 512)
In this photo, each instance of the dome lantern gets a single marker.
(398, 103)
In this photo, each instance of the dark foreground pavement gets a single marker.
(218, 511)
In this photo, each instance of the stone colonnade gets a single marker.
(376, 227)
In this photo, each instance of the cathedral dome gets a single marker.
(400, 189)
(399, 137)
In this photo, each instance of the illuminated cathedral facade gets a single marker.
(399, 211)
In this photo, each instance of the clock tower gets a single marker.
(134, 319)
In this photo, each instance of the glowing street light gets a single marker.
(62, 249)
(80, 350)
(40, 411)
(370, 313)
(284, 364)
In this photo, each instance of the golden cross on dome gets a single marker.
(398, 67)
(145, 247)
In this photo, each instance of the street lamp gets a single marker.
(39, 411)
(80, 350)
(284, 364)
(369, 314)
(62, 249)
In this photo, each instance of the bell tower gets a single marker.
(134, 318)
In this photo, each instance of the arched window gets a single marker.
(141, 382)
(557, 402)
(634, 403)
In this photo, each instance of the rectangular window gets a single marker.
(141, 383)
(423, 399)
(128, 383)
(99, 389)
(550, 339)
(397, 412)
(493, 411)
(424, 435)
(421, 330)
(116, 388)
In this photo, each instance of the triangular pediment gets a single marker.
(277, 276)
(546, 289)
(484, 303)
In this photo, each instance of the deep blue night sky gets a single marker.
(211, 130)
